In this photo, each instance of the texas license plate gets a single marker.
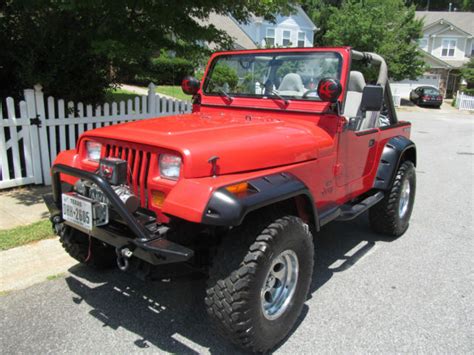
(78, 211)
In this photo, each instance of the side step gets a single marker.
(348, 212)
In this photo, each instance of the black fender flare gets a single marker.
(393, 152)
(227, 209)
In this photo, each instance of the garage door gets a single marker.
(403, 88)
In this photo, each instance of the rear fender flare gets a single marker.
(226, 209)
(394, 152)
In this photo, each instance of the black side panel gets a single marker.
(226, 209)
(390, 160)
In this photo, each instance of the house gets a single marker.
(295, 30)
(447, 44)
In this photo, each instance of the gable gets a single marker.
(434, 28)
(451, 30)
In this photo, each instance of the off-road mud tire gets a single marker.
(239, 270)
(384, 217)
(87, 250)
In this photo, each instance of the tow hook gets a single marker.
(123, 254)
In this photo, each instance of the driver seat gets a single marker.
(354, 94)
(291, 85)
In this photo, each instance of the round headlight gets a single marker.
(170, 166)
(93, 150)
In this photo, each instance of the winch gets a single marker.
(114, 170)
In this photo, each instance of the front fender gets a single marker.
(227, 209)
(69, 158)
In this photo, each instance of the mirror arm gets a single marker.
(336, 107)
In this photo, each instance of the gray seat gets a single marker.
(354, 94)
(291, 85)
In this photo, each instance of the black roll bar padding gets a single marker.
(142, 234)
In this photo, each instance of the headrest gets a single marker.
(291, 82)
(356, 81)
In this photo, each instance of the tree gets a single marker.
(319, 11)
(387, 27)
(442, 5)
(77, 49)
(467, 73)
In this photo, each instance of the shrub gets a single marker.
(224, 75)
(165, 71)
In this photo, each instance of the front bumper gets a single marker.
(431, 103)
(148, 244)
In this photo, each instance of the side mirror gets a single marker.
(329, 89)
(190, 85)
(372, 98)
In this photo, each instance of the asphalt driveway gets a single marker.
(369, 294)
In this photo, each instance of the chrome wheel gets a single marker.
(280, 284)
(404, 198)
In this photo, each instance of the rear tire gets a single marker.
(259, 282)
(391, 216)
(87, 250)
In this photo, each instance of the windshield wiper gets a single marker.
(226, 95)
(275, 93)
(221, 91)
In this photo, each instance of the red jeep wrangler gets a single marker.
(280, 142)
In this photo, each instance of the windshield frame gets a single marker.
(271, 52)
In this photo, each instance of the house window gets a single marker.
(472, 49)
(286, 38)
(270, 37)
(301, 41)
(447, 48)
(423, 43)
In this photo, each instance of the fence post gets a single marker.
(43, 137)
(34, 136)
(151, 98)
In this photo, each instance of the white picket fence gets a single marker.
(33, 131)
(464, 102)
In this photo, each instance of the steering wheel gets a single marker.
(305, 95)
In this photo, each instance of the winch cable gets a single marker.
(89, 252)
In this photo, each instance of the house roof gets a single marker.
(462, 20)
(228, 24)
(434, 62)
(299, 11)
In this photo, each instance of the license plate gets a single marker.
(78, 211)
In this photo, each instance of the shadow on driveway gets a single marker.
(170, 314)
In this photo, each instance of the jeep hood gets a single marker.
(242, 142)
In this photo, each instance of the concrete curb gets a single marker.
(31, 264)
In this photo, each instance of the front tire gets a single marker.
(259, 282)
(85, 249)
(391, 216)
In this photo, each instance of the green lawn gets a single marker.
(174, 91)
(119, 95)
(123, 95)
(17, 236)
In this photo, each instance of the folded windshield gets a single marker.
(288, 75)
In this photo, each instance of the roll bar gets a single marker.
(374, 58)
(382, 79)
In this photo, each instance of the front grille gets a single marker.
(138, 167)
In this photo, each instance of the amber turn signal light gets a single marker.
(237, 188)
(157, 198)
